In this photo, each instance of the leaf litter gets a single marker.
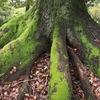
(39, 82)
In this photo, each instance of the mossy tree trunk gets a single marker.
(50, 23)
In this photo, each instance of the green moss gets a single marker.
(19, 52)
(95, 52)
(59, 87)
(56, 30)
(89, 48)
(16, 27)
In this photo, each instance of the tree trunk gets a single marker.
(51, 22)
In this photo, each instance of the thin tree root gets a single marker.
(25, 86)
(15, 75)
(82, 75)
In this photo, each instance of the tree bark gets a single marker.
(25, 49)
(83, 34)
(51, 22)
(59, 71)
(82, 75)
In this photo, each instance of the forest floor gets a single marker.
(39, 82)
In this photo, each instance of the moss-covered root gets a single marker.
(24, 49)
(14, 28)
(88, 46)
(60, 84)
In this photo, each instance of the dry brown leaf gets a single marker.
(40, 87)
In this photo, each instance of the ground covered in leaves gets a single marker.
(39, 81)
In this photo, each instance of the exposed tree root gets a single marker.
(19, 72)
(25, 86)
(15, 75)
(82, 75)
(13, 28)
(60, 81)
(32, 35)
